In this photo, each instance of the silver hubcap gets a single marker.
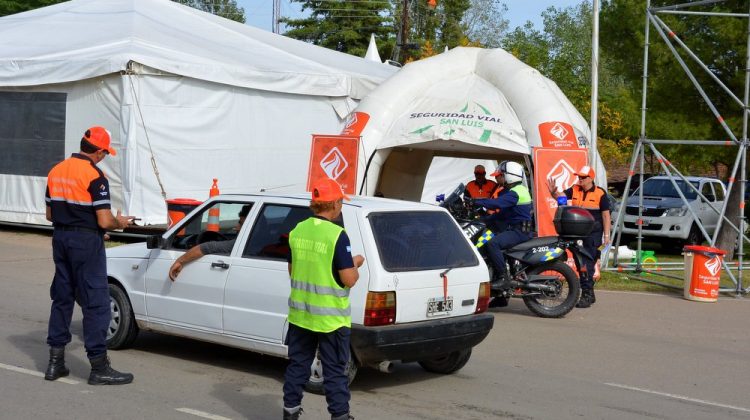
(114, 322)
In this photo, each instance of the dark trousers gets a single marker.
(504, 240)
(591, 244)
(334, 354)
(80, 276)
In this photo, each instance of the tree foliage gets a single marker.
(225, 8)
(342, 25)
(10, 7)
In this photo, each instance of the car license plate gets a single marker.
(439, 306)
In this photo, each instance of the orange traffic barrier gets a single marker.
(213, 212)
(178, 208)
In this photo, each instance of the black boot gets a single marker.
(593, 297)
(346, 416)
(586, 299)
(292, 414)
(103, 374)
(56, 368)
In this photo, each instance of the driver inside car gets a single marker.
(211, 247)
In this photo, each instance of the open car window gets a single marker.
(269, 237)
(219, 222)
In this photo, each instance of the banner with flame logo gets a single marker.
(558, 135)
(559, 165)
(334, 157)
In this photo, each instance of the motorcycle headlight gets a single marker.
(678, 211)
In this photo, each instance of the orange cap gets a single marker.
(586, 171)
(328, 190)
(99, 137)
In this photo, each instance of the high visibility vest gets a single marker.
(317, 302)
(590, 200)
(483, 191)
(524, 197)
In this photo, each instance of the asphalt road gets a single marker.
(630, 356)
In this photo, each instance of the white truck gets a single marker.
(666, 217)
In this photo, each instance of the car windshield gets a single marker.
(664, 188)
(420, 240)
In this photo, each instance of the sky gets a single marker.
(259, 12)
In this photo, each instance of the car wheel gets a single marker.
(315, 383)
(447, 364)
(122, 329)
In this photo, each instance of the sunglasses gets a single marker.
(581, 178)
(479, 173)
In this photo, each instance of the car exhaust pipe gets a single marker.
(385, 366)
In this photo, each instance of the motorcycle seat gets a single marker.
(535, 243)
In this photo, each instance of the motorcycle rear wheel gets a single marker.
(568, 290)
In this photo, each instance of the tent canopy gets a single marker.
(83, 39)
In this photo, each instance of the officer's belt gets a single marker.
(66, 228)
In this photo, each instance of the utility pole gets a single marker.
(276, 16)
(403, 35)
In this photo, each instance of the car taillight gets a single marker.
(484, 297)
(380, 308)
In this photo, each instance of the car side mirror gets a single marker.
(155, 242)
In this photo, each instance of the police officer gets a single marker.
(594, 199)
(480, 186)
(78, 205)
(509, 217)
(322, 271)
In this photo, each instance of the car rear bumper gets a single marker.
(419, 340)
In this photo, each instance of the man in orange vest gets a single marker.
(594, 199)
(78, 205)
(480, 187)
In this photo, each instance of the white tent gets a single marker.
(469, 103)
(204, 96)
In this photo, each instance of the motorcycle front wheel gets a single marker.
(565, 294)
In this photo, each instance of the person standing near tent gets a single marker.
(594, 199)
(322, 270)
(511, 225)
(78, 205)
(480, 187)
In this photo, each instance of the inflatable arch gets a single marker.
(467, 102)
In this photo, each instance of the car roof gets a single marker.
(379, 203)
(689, 178)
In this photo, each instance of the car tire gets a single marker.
(122, 329)
(314, 384)
(447, 364)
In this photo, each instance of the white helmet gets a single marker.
(513, 171)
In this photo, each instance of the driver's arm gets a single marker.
(191, 255)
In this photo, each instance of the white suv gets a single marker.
(666, 216)
(421, 295)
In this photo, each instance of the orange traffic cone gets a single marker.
(213, 212)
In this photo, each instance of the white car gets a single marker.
(421, 296)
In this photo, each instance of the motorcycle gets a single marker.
(536, 269)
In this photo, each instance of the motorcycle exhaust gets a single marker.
(385, 366)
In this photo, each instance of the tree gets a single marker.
(485, 22)
(343, 25)
(225, 8)
(10, 7)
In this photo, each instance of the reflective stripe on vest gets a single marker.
(592, 201)
(316, 302)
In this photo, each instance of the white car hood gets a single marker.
(137, 250)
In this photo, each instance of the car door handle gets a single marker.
(220, 264)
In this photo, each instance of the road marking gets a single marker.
(679, 397)
(35, 373)
(201, 414)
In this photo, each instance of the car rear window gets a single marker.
(420, 240)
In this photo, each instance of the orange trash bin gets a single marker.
(178, 208)
(702, 272)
